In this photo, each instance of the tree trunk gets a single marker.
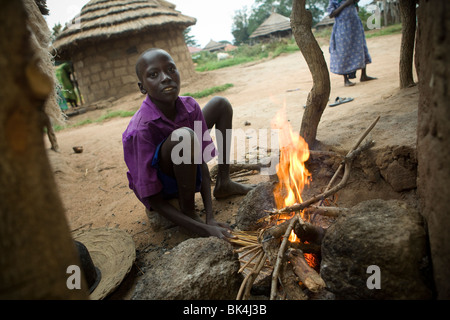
(301, 20)
(433, 134)
(408, 17)
(35, 243)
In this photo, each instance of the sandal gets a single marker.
(339, 101)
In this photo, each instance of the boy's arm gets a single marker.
(206, 193)
(169, 212)
(207, 201)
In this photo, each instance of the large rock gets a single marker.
(196, 269)
(384, 234)
(254, 207)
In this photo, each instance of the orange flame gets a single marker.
(291, 171)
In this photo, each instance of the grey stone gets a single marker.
(386, 234)
(254, 207)
(196, 269)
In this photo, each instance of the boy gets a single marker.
(152, 151)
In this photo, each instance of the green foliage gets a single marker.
(288, 47)
(364, 16)
(240, 27)
(109, 115)
(207, 61)
(392, 29)
(318, 9)
(56, 30)
(209, 91)
(190, 41)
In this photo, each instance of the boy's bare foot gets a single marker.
(228, 188)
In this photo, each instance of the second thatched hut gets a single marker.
(108, 36)
(275, 27)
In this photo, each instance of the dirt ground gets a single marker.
(93, 184)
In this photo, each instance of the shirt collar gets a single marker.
(153, 113)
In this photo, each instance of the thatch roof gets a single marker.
(274, 23)
(326, 21)
(101, 19)
(213, 46)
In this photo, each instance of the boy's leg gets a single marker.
(218, 112)
(184, 173)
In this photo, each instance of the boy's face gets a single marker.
(159, 77)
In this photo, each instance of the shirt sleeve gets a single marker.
(332, 5)
(138, 153)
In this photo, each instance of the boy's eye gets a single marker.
(153, 74)
(172, 69)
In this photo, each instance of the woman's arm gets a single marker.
(338, 11)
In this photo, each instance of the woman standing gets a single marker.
(348, 48)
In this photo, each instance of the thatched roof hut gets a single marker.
(106, 38)
(325, 22)
(275, 26)
(214, 46)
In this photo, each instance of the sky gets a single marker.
(214, 17)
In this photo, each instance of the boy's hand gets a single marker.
(220, 230)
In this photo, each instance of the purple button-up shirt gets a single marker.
(146, 130)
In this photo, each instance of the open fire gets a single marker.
(289, 243)
(292, 173)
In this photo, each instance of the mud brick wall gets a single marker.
(106, 68)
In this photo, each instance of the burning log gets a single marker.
(308, 232)
(284, 272)
(307, 247)
(304, 230)
(307, 275)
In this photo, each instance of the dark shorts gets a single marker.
(170, 186)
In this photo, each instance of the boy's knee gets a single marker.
(183, 133)
(223, 104)
(185, 139)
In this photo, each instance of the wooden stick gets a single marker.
(276, 270)
(249, 260)
(249, 277)
(307, 275)
(361, 138)
(254, 274)
(250, 251)
(303, 205)
(246, 248)
(286, 276)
